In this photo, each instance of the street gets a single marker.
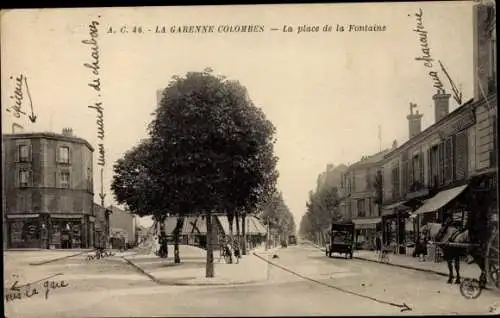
(336, 286)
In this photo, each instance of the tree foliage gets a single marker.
(321, 211)
(276, 214)
(209, 149)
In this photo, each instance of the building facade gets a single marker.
(48, 190)
(358, 198)
(123, 221)
(438, 171)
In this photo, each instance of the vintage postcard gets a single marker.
(250, 160)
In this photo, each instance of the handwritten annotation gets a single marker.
(21, 83)
(95, 84)
(18, 292)
(426, 51)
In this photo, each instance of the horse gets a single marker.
(447, 233)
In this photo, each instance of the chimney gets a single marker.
(67, 132)
(414, 122)
(441, 106)
(394, 144)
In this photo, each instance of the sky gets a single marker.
(326, 92)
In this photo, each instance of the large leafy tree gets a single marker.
(210, 149)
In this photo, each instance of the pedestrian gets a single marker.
(378, 243)
(236, 248)
(421, 247)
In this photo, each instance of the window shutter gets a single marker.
(70, 154)
(56, 179)
(440, 168)
(57, 153)
(18, 150)
(30, 153)
(422, 172)
(30, 178)
(429, 167)
(17, 176)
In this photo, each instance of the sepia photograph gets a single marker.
(333, 159)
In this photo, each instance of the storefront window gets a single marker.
(16, 233)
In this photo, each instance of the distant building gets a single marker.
(48, 190)
(358, 197)
(331, 177)
(122, 221)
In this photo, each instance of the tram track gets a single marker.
(403, 307)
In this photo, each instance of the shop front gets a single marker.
(67, 231)
(366, 230)
(25, 231)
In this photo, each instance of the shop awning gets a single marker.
(22, 216)
(254, 226)
(394, 205)
(440, 200)
(66, 216)
(366, 223)
(192, 225)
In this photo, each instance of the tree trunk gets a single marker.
(210, 249)
(244, 249)
(177, 234)
(230, 218)
(237, 226)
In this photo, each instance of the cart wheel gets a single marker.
(492, 265)
(470, 288)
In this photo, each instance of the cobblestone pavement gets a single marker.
(326, 286)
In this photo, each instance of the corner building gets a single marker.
(48, 193)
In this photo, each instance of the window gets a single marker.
(434, 165)
(460, 156)
(448, 161)
(24, 153)
(64, 154)
(361, 208)
(64, 181)
(24, 176)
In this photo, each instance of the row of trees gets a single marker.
(277, 216)
(321, 211)
(209, 149)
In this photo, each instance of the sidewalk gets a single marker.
(466, 270)
(39, 256)
(405, 261)
(191, 270)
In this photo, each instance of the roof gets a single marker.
(48, 135)
(373, 159)
(432, 128)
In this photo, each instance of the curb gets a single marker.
(60, 258)
(180, 283)
(142, 271)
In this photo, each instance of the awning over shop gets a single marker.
(440, 200)
(192, 225)
(254, 226)
(22, 216)
(66, 216)
(394, 205)
(366, 223)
